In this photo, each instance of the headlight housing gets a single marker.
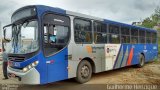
(30, 66)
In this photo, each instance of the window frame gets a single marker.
(91, 31)
(148, 37)
(119, 33)
(42, 31)
(134, 36)
(126, 35)
(154, 38)
(141, 36)
(106, 32)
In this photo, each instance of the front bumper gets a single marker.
(30, 77)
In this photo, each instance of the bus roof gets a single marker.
(43, 8)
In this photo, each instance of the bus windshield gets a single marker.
(24, 38)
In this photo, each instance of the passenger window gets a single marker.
(82, 31)
(154, 37)
(100, 33)
(134, 35)
(113, 29)
(125, 35)
(148, 37)
(114, 36)
(142, 36)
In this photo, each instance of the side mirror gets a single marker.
(8, 39)
(4, 33)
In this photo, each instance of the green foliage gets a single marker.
(153, 20)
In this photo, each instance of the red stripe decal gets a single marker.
(130, 57)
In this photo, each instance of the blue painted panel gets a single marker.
(58, 69)
(149, 50)
(41, 9)
(42, 68)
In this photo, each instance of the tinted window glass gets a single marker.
(82, 31)
(141, 36)
(100, 38)
(114, 38)
(113, 29)
(100, 33)
(141, 33)
(125, 39)
(148, 37)
(99, 27)
(125, 35)
(134, 40)
(154, 37)
(134, 32)
(125, 31)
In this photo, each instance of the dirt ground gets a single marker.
(149, 74)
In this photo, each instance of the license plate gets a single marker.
(10, 63)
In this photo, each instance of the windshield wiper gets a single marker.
(15, 33)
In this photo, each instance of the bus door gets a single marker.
(56, 39)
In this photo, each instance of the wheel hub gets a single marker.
(85, 71)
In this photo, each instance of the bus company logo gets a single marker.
(58, 20)
(89, 49)
(93, 49)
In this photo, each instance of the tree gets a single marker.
(153, 20)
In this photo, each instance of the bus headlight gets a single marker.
(34, 63)
(27, 68)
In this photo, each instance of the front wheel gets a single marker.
(141, 61)
(84, 72)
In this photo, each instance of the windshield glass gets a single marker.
(24, 38)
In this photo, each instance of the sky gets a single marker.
(126, 11)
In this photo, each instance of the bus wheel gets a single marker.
(84, 72)
(141, 61)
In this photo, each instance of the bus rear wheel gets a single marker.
(141, 61)
(84, 72)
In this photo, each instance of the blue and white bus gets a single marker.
(51, 44)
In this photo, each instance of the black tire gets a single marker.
(141, 61)
(84, 72)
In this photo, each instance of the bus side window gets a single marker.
(100, 33)
(148, 37)
(82, 31)
(141, 36)
(114, 34)
(125, 35)
(154, 38)
(134, 35)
